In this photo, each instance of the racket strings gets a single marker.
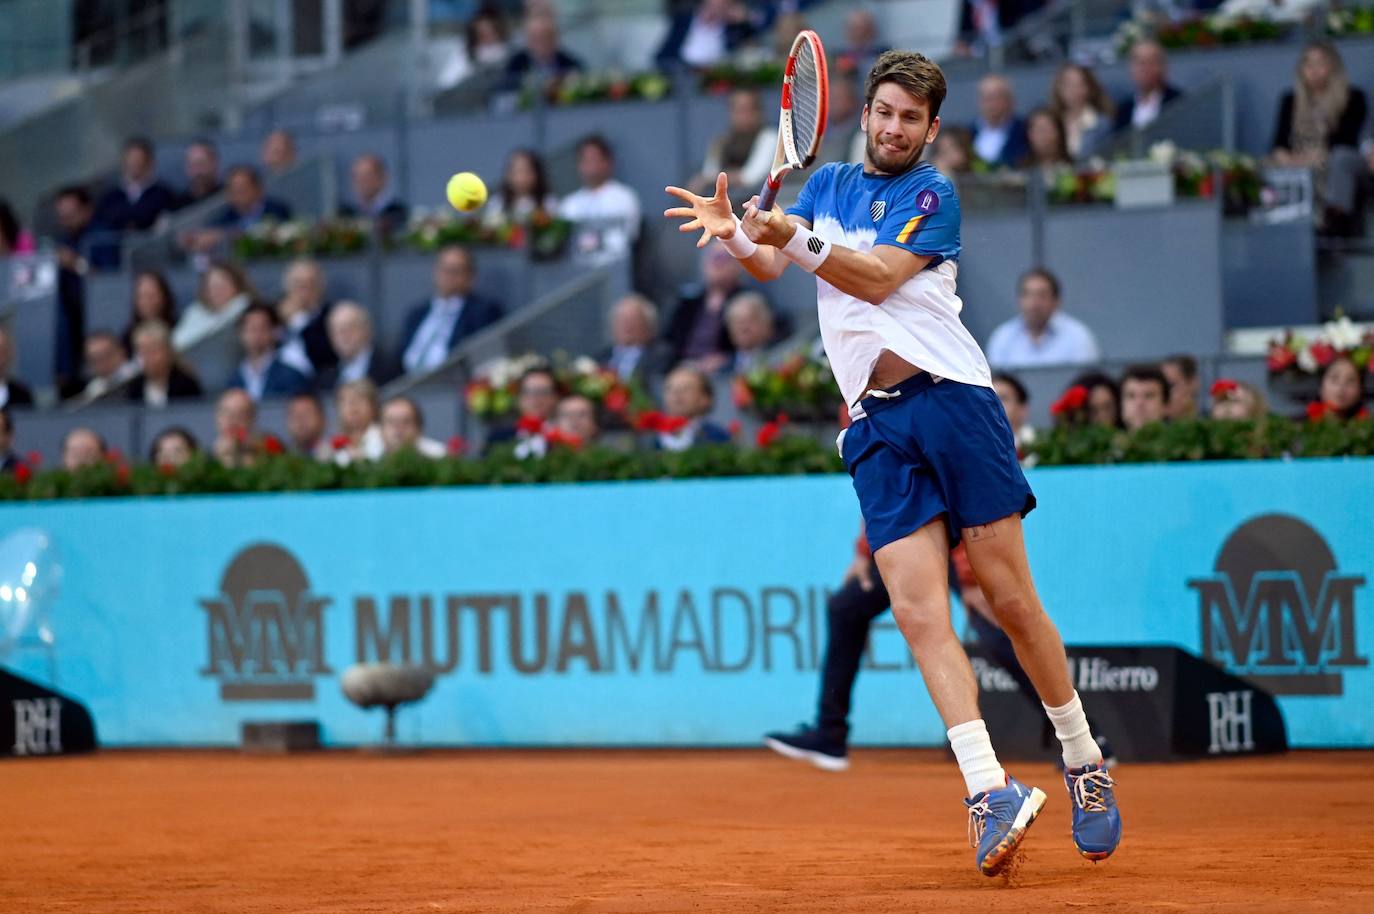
(806, 94)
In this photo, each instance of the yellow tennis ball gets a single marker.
(466, 191)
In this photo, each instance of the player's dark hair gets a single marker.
(1147, 373)
(1043, 274)
(1187, 364)
(914, 73)
(1012, 381)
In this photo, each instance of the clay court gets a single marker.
(664, 831)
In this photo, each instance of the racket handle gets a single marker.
(769, 193)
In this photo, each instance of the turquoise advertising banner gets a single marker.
(655, 613)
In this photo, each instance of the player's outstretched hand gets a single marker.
(713, 216)
(771, 227)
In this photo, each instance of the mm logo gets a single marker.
(265, 628)
(1278, 611)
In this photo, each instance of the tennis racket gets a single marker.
(805, 98)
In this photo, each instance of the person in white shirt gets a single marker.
(359, 436)
(403, 427)
(224, 294)
(607, 211)
(744, 151)
(999, 136)
(1041, 334)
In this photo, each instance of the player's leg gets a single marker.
(997, 555)
(915, 569)
(849, 617)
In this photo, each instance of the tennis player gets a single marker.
(930, 450)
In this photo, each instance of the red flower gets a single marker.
(530, 425)
(792, 367)
(22, 473)
(1223, 388)
(555, 437)
(771, 430)
(734, 427)
(1206, 186)
(1074, 399)
(340, 442)
(1317, 411)
(1324, 353)
(272, 445)
(122, 474)
(457, 447)
(33, 459)
(1362, 414)
(517, 236)
(617, 399)
(1281, 358)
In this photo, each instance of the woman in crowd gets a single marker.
(524, 189)
(1083, 108)
(173, 447)
(223, 295)
(152, 301)
(1319, 125)
(1341, 394)
(1104, 399)
(1047, 153)
(1238, 401)
(359, 436)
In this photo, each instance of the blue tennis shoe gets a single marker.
(997, 822)
(1096, 821)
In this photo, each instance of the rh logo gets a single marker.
(1232, 726)
(37, 726)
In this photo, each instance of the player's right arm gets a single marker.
(716, 219)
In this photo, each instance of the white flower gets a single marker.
(1343, 334)
(1307, 361)
(585, 365)
(1163, 153)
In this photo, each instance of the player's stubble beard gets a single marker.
(901, 164)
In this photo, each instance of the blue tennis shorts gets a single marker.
(929, 448)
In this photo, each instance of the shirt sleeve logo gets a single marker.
(878, 208)
(928, 201)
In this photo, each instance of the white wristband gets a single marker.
(806, 249)
(740, 245)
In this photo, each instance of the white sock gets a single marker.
(977, 762)
(1071, 726)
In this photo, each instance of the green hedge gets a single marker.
(1203, 439)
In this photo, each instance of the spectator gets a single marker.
(236, 433)
(152, 300)
(861, 44)
(1016, 402)
(536, 398)
(524, 190)
(697, 330)
(999, 136)
(1238, 401)
(687, 394)
(1104, 399)
(304, 314)
(350, 335)
(107, 364)
(1042, 334)
(704, 36)
(1319, 126)
(305, 426)
(162, 379)
(140, 199)
(608, 210)
(278, 155)
(1340, 395)
(750, 325)
(1184, 386)
(14, 239)
(403, 428)
(1144, 397)
(487, 42)
(81, 448)
(1048, 152)
(541, 62)
(9, 460)
(983, 24)
(744, 151)
(574, 419)
(262, 372)
(1150, 74)
(12, 391)
(248, 205)
(75, 227)
(359, 436)
(455, 312)
(75, 244)
(373, 195)
(635, 352)
(202, 173)
(1084, 109)
(223, 295)
(173, 448)
(952, 152)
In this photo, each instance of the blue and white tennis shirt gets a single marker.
(919, 212)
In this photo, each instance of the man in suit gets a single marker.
(697, 329)
(303, 312)
(12, 392)
(262, 374)
(749, 321)
(162, 378)
(688, 398)
(373, 196)
(140, 199)
(999, 136)
(247, 206)
(350, 335)
(1150, 74)
(541, 58)
(634, 353)
(201, 168)
(454, 313)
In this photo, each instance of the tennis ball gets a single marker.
(466, 191)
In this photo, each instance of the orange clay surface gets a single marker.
(708, 831)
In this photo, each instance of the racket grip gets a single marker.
(769, 193)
